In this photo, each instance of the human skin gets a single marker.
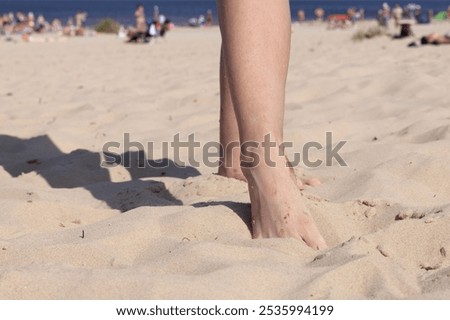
(254, 65)
(438, 39)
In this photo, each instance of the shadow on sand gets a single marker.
(83, 169)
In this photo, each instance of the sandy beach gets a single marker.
(72, 229)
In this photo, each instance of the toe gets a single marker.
(313, 182)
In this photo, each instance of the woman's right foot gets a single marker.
(278, 210)
(232, 173)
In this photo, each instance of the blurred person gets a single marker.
(397, 14)
(41, 24)
(362, 14)
(359, 15)
(11, 18)
(20, 22)
(7, 26)
(56, 26)
(4, 20)
(141, 21)
(201, 20)
(166, 27)
(140, 32)
(319, 13)
(155, 13)
(20, 17)
(301, 16)
(421, 17)
(351, 13)
(31, 20)
(385, 15)
(80, 21)
(430, 15)
(2, 25)
(28, 29)
(436, 39)
(209, 18)
(69, 29)
(410, 10)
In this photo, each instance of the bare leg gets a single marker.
(256, 46)
(229, 132)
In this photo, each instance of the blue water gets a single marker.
(181, 10)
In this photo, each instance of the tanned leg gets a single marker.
(256, 46)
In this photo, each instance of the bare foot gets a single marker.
(302, 183)
(278, 210)
(232, 173)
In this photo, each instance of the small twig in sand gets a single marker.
(382, 251)
(429, 268)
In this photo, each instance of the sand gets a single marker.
(71, 229)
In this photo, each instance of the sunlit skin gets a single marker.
(254, 66)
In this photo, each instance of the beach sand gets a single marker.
(71, 229)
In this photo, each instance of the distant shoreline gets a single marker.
(180, 12)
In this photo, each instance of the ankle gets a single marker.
(232, 173)
(266, 157)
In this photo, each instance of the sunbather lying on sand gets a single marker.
(436, 39)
